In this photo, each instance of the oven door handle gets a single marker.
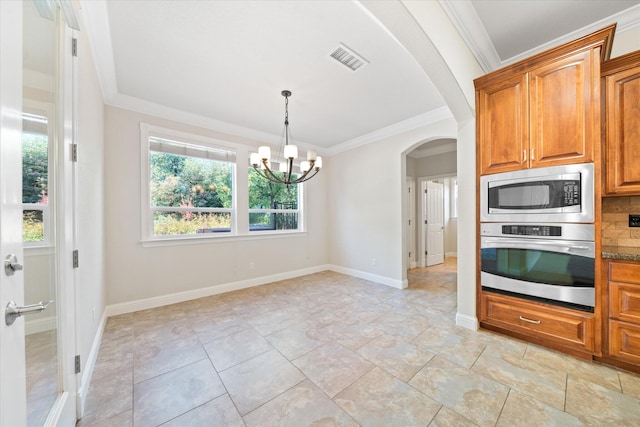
(528, 244)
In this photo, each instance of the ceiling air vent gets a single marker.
(347, 57)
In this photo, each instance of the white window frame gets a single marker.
(240, 193)
(149, 131)
(46, 110)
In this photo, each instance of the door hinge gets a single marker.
(409, 254)
(426, 252)
(77, 363)
(409, 222)
(74, 47)
(75, 258)
(74, 152)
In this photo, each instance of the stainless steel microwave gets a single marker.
(551, 194)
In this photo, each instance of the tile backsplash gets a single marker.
(615, 221)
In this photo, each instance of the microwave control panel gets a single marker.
(571, 193)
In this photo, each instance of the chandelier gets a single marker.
(261, 161)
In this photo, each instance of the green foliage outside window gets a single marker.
(182, 181)
(35, 182)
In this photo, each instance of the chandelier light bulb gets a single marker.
(284, 168)
(255, 159)
(311, 155)
(290, 152)
(265, 152)
(305, 166)
(318, 163)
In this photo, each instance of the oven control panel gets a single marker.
(532, 230)
(571, 193)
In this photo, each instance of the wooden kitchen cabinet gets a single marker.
(551, 324)
(624, 312)
(544, 111)
(621, 81)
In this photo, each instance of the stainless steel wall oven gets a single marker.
(552, 262)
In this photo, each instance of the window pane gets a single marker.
(35, 168)
(273, 221)
(177, 223)
(182, 181)
(32, 226)
(264, 194)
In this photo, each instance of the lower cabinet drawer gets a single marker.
(567, 327)
(624, 341)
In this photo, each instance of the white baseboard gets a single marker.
(87, 373)
(451, 254)
(468, 322)
(41, 324)
(394, 283)
(159, 301)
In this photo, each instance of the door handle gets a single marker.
(11, 265)
(13, 311)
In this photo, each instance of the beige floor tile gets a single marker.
(448, 343)
(597, 405)
(630, 383)
(524, 411)
(167, 396)
(299, 339)
(380, 399)
(449, 418)
(594, 372)
(396, 356)
(258, 380)
(237, 348)
(157, 359)
(215, 327)
(351, 318)
(538, 381)
(303, 405)
(107, 398)
(332, 367)
(125, 419)
(467, 393)
(217, 412)
(407, 327)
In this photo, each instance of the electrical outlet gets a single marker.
(252, 265)
(634, 220)
(374, 262)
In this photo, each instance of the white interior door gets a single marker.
(37, 347)
(12, 354)
(434, 200)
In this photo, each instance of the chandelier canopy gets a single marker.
(261, 161)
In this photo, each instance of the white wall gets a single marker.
(90, 276)
(366, 208)
(136, 273)
(437, 165)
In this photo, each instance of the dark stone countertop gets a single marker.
(621, 253)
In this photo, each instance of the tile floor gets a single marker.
(333, 350)
(41, 362)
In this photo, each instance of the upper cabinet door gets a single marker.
(623, 125)
(502, 125)
(565, 119)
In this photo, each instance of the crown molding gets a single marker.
(466, 20)
(626, 20)
(468, 23)
(412, 123)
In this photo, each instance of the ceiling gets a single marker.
(223, 64)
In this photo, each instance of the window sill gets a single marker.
(203, 240)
